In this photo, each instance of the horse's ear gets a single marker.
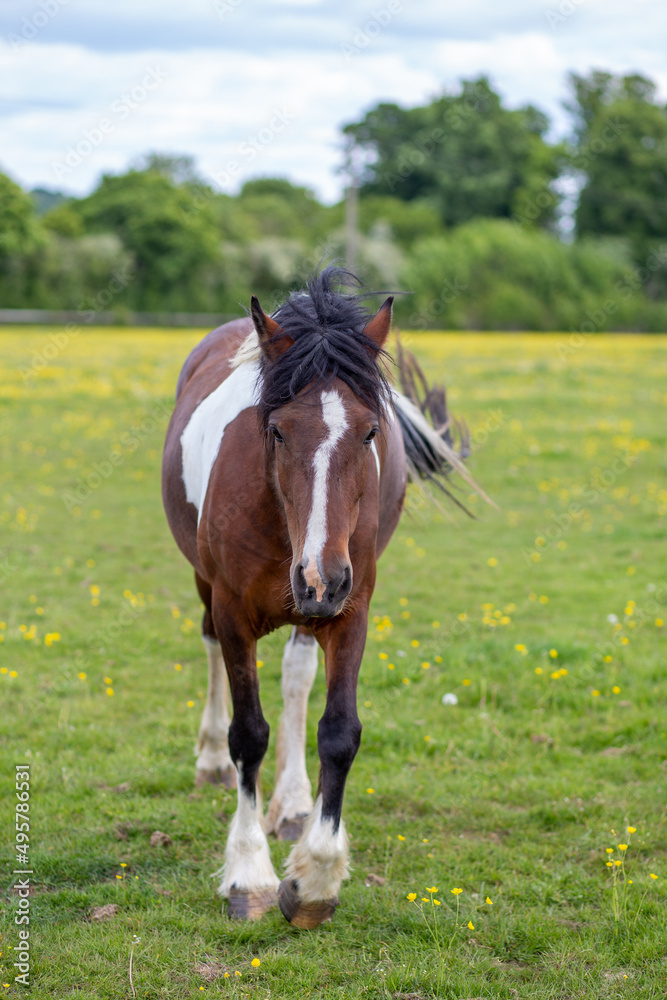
(378, 328)
(272, 341)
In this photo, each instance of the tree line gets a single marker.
(463, 207)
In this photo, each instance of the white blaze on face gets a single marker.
(333, 415)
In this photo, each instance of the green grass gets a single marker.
(512, 794)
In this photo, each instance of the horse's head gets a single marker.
(321, 442)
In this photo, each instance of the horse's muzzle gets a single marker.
(332, 597)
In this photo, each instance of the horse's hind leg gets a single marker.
(292, 799)
(214, 763)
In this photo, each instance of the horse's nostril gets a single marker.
(344, 586)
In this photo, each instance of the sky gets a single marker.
(259, 88)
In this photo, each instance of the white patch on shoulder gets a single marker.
(201, 439)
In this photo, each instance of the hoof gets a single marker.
(244, 904)
(306, 916)
(217, 776)
(291, 829)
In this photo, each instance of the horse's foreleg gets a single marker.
(248, 879)
(213, 761)
(319, 861)
(292, 800)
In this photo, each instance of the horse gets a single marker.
(284, 476)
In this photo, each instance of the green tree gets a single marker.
(620, 150)
(171, 235)
(20, 239)
(489, 275)
(464, 153)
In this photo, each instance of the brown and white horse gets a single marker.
(284, 475)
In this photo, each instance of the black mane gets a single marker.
(327, 329)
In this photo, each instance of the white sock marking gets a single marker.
(319, 861)
(247, 857)
(292, 795)
(333, 414)
(212, 746)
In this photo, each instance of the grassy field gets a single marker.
(544, 618)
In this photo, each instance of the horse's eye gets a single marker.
(276, 434)
(370, 437)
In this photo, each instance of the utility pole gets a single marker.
(352, 169)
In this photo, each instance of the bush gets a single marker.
(493, 275)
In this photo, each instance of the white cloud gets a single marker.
(233, 64)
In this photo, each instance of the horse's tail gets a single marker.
(435, 446)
